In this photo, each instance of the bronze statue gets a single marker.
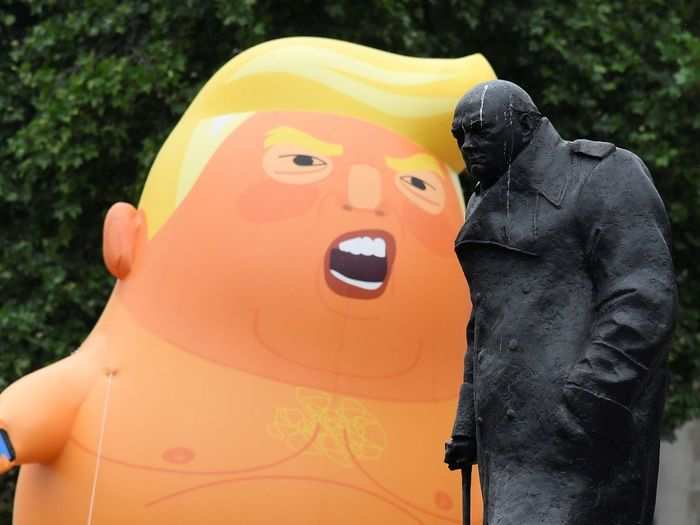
(566, 249)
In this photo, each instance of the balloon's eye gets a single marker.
(304, 160)
(425, 189)
(417, 182)
(289, 165)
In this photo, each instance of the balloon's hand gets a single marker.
(7, 452)
(5, 465)
(460, 453)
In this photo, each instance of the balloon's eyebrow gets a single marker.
(415, 163)
(289, 136)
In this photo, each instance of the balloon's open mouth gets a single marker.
(358, 264)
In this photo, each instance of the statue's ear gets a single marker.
(122, 228)
(528, 124)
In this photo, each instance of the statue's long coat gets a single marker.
(569, 266)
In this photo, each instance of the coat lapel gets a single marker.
(506, 214)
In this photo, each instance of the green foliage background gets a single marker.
(90, 89)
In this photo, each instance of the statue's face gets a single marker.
(488, 133)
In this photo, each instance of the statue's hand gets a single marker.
(460, 452)
(569, 429)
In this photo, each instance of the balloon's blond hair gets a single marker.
(413, 97)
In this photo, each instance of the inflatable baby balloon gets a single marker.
(285, 339)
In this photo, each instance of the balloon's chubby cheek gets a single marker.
(435, 232)
(269, 201)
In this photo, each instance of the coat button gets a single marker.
(510, 413)
(513, 345)
(526, 287)
(479, 420)
(477, 297)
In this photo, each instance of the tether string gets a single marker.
(100, 441)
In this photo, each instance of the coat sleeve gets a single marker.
(626, 235)
(464, 425)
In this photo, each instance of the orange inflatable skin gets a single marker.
(240, 373)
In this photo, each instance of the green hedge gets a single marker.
(91, 89)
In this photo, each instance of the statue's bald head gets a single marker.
(497, 95)
(493, 122)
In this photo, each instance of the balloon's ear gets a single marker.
(123, 225)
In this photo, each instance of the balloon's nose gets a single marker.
(364, 187)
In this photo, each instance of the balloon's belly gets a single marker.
(69, 493)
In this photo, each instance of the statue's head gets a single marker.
(493, 123)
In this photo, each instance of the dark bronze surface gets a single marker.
(566, 249)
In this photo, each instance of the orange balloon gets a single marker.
(286, 338)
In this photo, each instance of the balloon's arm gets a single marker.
(38, 410)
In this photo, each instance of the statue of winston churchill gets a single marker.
(566, 249)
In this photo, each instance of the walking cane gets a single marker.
(466, 495)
